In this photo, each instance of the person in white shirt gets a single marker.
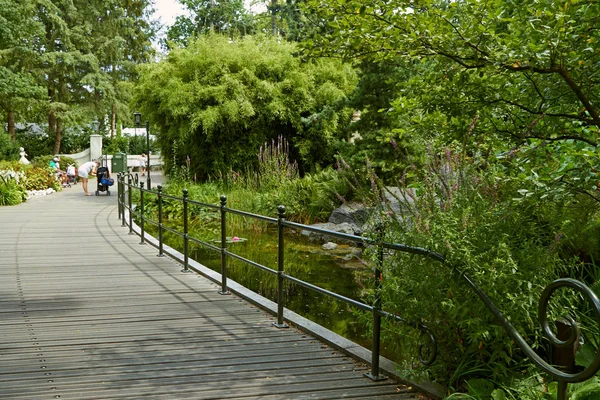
(85, 170)
(143, 164)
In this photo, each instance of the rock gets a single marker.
(44, 192)
(344, 227)
(329, 246)
(352, 213)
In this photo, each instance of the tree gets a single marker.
(527, 71)
(88, 50)
(20, 86)
(206, 16)
(218, 102)
(543, 55)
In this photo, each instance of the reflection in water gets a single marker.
(340, 271)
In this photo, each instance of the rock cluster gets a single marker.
(45, 192)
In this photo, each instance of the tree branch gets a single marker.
(580, 95)
(559, 138)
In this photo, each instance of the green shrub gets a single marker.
(11, 193)
(509, 248)
(38, 178)
(9, 150)
(12, 179)
(34, 144)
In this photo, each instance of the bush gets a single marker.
(38, 178)
(12, 178)
(509, 248)
(11, 192)
(35, 144)
(9, 150)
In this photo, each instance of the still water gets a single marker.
(341, 271)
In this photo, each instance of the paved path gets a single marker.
(86, 312)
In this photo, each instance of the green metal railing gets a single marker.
(428, 349)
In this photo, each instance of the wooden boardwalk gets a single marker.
(86, 312)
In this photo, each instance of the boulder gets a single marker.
(352, 213)
(329, 246)
(344, 227)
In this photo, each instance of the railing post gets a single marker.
(223, 246)
(130, 207)
(119, 191)
(160, 227)
(142, 213)
(185, 232)
(376, 345)
(122, 194)
(280, 254)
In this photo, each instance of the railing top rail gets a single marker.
(203, 204)
(251, 215)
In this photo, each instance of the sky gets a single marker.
(167, 11)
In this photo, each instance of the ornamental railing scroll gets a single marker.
(428, 348)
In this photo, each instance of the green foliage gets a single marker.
(511, 252)
(381, 136)
(41, 178)
(115, 145)
(34, 144)
(11, 193)
(206, 17)
(525, 71)
(220, 100)
(275, 167)
(9, 150)
(12, 190)
(65, 62)
(482, 50)
(307, 200)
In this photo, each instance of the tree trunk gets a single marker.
(59, 135)
(11, 124)
(51, 117)
(273, 18)
(113, 121)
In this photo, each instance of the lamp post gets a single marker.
(148, 155)
(95, 125)
(137, 120)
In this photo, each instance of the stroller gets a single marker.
(104, 181)
(72, 174)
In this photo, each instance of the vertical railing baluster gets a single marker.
(376, 345)
(119, 191)
(130, 207)
(562, 390)
(185, 232)
(122, 194)
(160, 221)
(142, 213)
(280, 268)
(223, 246)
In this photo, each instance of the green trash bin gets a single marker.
(119, 163)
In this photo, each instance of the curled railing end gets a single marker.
(427, 351)
(587, 293)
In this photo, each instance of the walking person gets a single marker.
(85, 170)
(143, 164)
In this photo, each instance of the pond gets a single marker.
(341, 270)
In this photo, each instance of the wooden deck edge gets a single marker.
(332, 339)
